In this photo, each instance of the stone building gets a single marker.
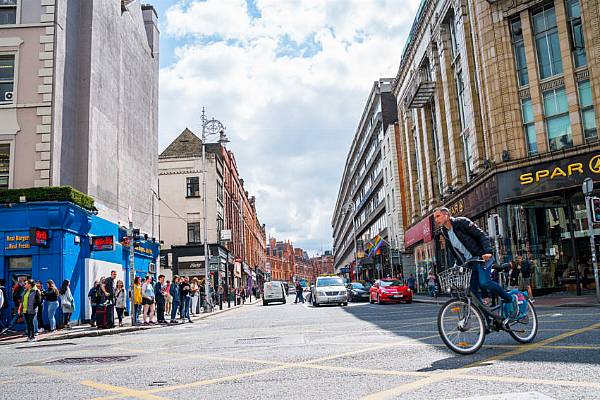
(359, 214)
(235, 236)
(79, 101)
(496, 106)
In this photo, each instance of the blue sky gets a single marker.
(289, 80)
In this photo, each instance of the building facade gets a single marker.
(280, 260)
(235, 237)
(496, 105)
(359, 215)
(79, 101)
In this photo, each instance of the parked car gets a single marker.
(291, 290)
(329, 290)
(390, 291)
(358, 291)
(273, 291)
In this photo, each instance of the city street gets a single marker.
(295, 351)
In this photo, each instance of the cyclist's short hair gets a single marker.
(442, 209)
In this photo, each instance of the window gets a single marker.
(436, 147)
(7, 76)
(4, 165)
(529, 126)
(556, 113)
(576, 33)
(586, 106)
(519, 50)
(8, 12)
(193, 229)
(460, 90)
(193, 186)
(453, 38)
(546, 42)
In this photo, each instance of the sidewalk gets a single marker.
(85, 330)
(559, 299)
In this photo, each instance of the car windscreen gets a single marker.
(357, 285)
(330, 282)
(391, 283)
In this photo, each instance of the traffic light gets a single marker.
(595, 209)
(136, 237)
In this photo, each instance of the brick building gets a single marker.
(496, 109)
(280, 260)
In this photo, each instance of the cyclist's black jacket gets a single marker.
(470, 235)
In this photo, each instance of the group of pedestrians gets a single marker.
(32, 303)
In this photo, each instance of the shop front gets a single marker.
(66, 243)
(419, 240)
(539, 212)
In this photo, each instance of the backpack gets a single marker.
(521, 301)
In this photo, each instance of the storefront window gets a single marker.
(558, 125)
(15, 263)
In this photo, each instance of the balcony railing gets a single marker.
(420, 91)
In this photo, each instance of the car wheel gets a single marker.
(284, 300)
(265, 303)
(344, 304)
(379, 300)
(408, 301)
(350, 299)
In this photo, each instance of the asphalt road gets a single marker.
(295, 351)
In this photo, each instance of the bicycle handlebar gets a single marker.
(470, 260)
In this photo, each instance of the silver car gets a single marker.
(329, 290)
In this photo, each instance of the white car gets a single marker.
(273, 291)
(329, 290)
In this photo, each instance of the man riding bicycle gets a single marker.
(466, 241)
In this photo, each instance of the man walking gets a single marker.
(174, 292)
(525, 267)
(186, 300)
(159, 295)
(411, 281)
(466, 240)
(299, 293)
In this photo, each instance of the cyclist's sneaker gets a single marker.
(515, 307)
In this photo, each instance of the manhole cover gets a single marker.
(259, 340)
(90, 360)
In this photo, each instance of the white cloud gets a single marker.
(290, 119)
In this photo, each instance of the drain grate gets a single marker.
(259, 340)
(90, 360)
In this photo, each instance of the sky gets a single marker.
(289, 80)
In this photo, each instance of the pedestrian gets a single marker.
(38, 322)
(109, 287)
(51, 300)
(243, 294)
(148, 301)
(412, 282)
(67, 303)
(299, 293)
(120, 301)
(17, 295)
(184, 311)
(137, 300)
(195, 295)
(93, 298)
(174, 293)
(168, 298)
(4, 308)
(513, 276)
(32, 299)
(525, 267)
(160, 296)
(220, 293)
(431, 284)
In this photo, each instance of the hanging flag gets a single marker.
(376, 246)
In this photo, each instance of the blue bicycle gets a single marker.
(464, 320)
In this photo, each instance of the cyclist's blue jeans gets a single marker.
(481, 280)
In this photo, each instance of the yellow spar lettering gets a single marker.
(557, 172)
(577, 167)
(542, 173)
(526, 179)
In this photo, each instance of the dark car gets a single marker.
(358, 291)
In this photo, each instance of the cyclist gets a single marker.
(465, 241)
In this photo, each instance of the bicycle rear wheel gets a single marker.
(525, 329)
(461, 327)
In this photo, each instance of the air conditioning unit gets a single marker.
(8, 96)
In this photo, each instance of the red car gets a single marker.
(390, 291)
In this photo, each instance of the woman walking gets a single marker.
(32, 299)
(67, 303)
(38, 322)
(51, 298)
(120, 301)
(195, 293)
(148, 301)
(169, 299)
(137, 300)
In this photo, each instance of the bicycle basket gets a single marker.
(455, 279)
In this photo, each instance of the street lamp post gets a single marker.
(209, 127)
(349, 206)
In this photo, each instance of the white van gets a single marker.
(273, 291)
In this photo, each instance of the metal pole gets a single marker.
(131, 273)
(588, 207)
(573, 247)
(204, 206)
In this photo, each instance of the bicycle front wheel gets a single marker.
(461, 327)
(525, 329)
